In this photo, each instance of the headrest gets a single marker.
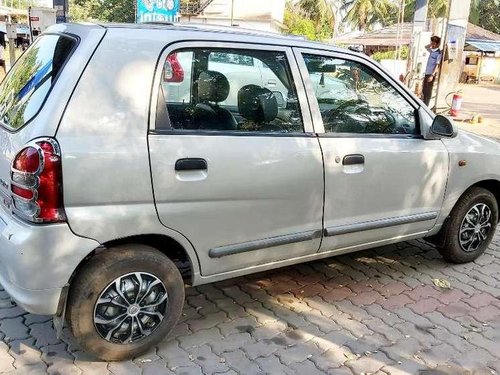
(212, 87)
(257, 103)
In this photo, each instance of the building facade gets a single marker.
(263, 15)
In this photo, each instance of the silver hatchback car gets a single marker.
(136, 159)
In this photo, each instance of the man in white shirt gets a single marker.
(432, 67)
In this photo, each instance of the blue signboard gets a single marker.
(157, 10)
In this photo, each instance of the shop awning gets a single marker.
(482, 45)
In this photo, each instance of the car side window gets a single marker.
(355, 99)
(219, 89)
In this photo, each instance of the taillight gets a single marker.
(173, 72)
(36, 182)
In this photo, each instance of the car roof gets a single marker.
(265, 36)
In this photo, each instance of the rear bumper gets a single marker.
(43, 302)
(37, 261)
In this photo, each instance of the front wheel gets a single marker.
(471, 226)
(124, 301)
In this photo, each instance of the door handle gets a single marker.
(191, 164)
(353, 159)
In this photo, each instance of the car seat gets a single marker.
(213, 88)
(259, 107)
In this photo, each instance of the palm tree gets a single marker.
(364, 14)
(320, 12)
(437, 8)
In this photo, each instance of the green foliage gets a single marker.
(364, 14)
(436, 9)
(80, 10)
(299, 25)
(474, 15)
(118, 10)
(486, 14)
(311, 19)
(102, 10)
(320, 12)
(391, 55)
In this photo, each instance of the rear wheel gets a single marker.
(124, 301)
(471, 226)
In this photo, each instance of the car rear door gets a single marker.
(383, 181)
(245, 194)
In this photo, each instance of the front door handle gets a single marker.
(191, 164)
(353, 159)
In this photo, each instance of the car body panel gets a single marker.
(482, 158)
(36, 262)
(382, 188)
(256, 188)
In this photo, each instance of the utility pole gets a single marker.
(11, 29)
(453, 46)
(420, 18)
(415, 55)
(232, 12)
(399, 33)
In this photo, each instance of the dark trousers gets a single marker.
(427, 90)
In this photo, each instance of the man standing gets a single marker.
(432, 67)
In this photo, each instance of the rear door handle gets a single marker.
(191, 164)
(353, 159)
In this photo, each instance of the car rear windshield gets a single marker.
(24, 89)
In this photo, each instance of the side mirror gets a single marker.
(443, 126)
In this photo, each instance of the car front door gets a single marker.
(383, 181)
(238, 175)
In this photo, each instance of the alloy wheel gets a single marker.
(130, 308)
(475, 227)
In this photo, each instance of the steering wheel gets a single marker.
(386, 126)
(338, 117)
(360, 107)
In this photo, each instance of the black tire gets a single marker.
(449, 244)
(97, 276)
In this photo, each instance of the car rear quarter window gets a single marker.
(26, 86)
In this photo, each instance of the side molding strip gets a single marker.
(218, 252)
(377, 224)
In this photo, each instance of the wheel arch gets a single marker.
(163, 243)
(493, 186)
